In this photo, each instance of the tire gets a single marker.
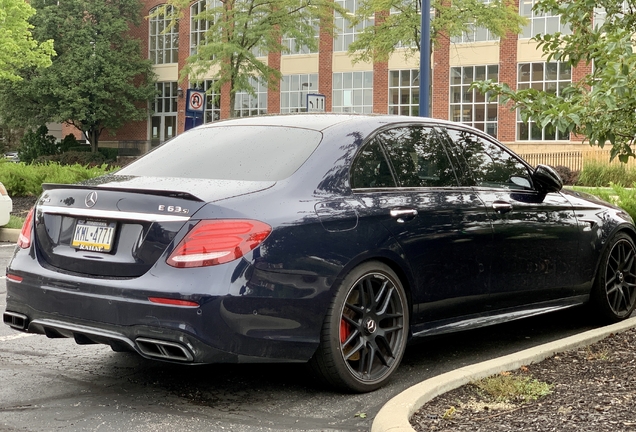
(614, 291)
(365, 331)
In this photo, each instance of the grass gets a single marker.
(509, 388)
(14, 222)
(596, 174)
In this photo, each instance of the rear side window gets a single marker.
(251, 153)
(371, 169)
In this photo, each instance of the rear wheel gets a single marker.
(614, 292)
(365, 331)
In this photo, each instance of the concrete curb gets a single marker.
(395, 414)
(9, 235)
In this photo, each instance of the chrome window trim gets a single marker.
(110, 214)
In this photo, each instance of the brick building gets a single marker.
(390, 87)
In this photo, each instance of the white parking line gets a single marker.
(8, 245)
(16, 336)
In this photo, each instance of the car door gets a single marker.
(441, 227)
(536, 235)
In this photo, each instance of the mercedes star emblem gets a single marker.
(91, 199)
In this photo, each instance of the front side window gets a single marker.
(486, 164)
(353, 92)
(163, 40)
(294, 90)
(472, 107)
(549, 77)
(540, 23)
(404, 92)
(418, 157)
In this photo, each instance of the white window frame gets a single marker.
(530, 76)
(404, 92)
(470, 106)
(163, 48)
(538, 23)
(246, 105)
(476, 34)
(293, 92)
(345, 34)
(352, 92)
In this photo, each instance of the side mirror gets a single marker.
(547, 179)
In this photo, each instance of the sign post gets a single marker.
(195, 108)
(315, 102)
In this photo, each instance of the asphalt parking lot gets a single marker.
(58, 385)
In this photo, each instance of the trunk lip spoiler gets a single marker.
(158, 192)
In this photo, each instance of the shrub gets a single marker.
(598, 174)
(21, 179)
(37, 143)
(68, 142)
(568, 176)
(74, 157)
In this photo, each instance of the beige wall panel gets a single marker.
(548, 147)
(342, 63)
(474, 54)
(167, 72)
(527, 51)
(299, 64)
(398, 61)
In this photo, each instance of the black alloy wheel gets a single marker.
(365, 331)
(614, 292)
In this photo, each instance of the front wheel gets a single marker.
(614, 291)
(365, 331)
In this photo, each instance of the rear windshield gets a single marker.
(258, 153)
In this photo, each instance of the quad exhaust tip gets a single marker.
(164, 350)
(15, 320)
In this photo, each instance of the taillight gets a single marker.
(24, 240)
(213, 242)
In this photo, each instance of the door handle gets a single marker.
(403, 215)
(502, 207)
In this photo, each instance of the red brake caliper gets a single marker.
(345, 330)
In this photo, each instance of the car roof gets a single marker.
(322, 121)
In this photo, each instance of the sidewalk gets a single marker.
(395, 414)
(9, 235)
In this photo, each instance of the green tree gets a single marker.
(98, 80)
(601, 106)
(36, 143)
(401, 28)
(18, 49)
(241, 31)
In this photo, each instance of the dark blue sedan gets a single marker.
(328, 239)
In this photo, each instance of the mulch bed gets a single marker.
(594, 389)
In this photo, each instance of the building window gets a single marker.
(472, 107)
(404, 92)
(212, 103)
(475, 33)
(164, 44)
(199, 24)
(345, 34)
(353, 92)
(246, 105)
(551, 78)
(291, 48)
(540, 23)
(294, 90)
(163, 124)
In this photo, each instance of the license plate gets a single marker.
(96, 236)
